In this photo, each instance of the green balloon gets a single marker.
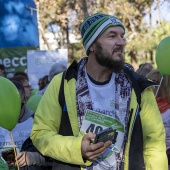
(33, 91)
(10, 104)
(33, 102)
(3, 165)
(163, 56)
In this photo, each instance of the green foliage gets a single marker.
(142, 39)
(160, 32)
(76, 51)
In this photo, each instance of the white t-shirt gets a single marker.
(103, 101)
(103, 96)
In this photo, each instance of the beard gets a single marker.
(105, 59)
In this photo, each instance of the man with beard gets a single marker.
(100, 93)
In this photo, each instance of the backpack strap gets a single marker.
(65, 126)
(61, 92)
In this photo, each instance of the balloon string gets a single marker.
(13, 145)
(159, 87)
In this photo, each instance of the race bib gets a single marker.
(95, 122)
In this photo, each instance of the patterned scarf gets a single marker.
(122, 97)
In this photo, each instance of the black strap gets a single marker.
(135, 85)
(65, 126)
(61, 92)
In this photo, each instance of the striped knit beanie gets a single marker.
(95, 25)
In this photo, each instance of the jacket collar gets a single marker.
(143, 82)
(72, 71)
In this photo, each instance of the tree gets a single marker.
(68, 15)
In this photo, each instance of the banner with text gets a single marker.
(40, 62)
(14, 59)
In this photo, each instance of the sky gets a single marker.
(164, 12)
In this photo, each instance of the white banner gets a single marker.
(40, 62)
(20, 133)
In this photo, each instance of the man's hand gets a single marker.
(93, 151)
(23, 159)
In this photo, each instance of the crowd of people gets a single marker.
(97, 114)
(28, 156)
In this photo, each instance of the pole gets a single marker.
(13, 145)
(159, 86)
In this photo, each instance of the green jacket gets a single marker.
(3, 165)
(45, 133)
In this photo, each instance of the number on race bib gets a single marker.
(94, 129)
(98, 129)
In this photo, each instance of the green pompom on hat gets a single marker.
(95, 25)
